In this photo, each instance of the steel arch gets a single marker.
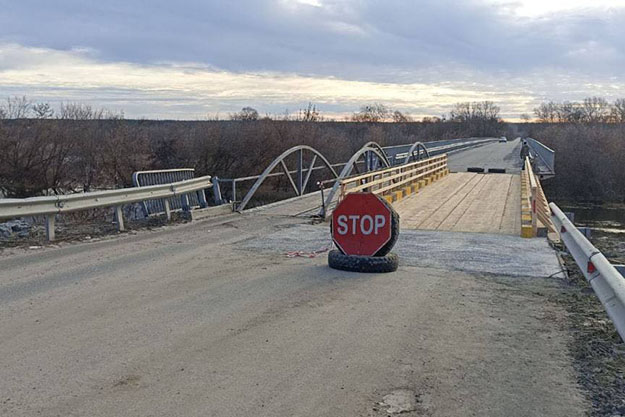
(416, 146)
(349, 166)
(301, 183)
(377, 146)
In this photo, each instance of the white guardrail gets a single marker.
(606, 281)
(50, 206)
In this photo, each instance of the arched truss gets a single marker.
(299, 184)
(414, 154)
(381, 152)
(367, 153)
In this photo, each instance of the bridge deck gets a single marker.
(304, 206)
(466, 202)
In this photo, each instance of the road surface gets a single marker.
(214, 319)
(493, 155)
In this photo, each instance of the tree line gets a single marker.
(589, 110)
(77, 148)
(80, 148)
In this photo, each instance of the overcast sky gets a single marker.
(187, 59)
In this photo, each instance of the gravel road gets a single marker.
(212, 319)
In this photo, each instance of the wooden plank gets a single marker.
(459, 211)
(447, 202)
(511, 219)
(417, 209)
(486, 209)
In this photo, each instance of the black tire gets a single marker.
(353, 263)
(394, 232)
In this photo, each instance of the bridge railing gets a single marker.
(234, 182)
(167, 205)
(605, 279)
(395, 179)
(398, 154)
(52, 205)
(391, 155)
(544, 158)
(535, 212)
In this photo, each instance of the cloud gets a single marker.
(516, 51)
(351, 39)
(192, 90)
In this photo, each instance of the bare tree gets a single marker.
(399, 117)
(547, 112)
(16, 108)
(43, 111)
(467, 111)
(309, 114)
(526, 118)
(568, 112)
(618, 111)
(371, 113)
(76, 111)
(595, 110)
(246, 113)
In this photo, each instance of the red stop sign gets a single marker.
(361, 224)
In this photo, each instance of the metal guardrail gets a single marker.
(398, 154)
(605, 279)
(543, 157)
(58, 204)
(168, 176)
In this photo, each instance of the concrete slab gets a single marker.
(476, 253)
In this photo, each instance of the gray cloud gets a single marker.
(373, 40)
(469, 45)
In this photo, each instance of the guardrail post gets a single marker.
(167, 208)
(50, 226)
(217, 191)
(201, 198)
(119, 218)
(184, 201)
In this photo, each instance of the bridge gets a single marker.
(238, 314)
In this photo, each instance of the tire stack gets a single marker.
(382, 261)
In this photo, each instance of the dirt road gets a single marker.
(212, 319)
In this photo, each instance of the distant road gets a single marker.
(493, 155)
